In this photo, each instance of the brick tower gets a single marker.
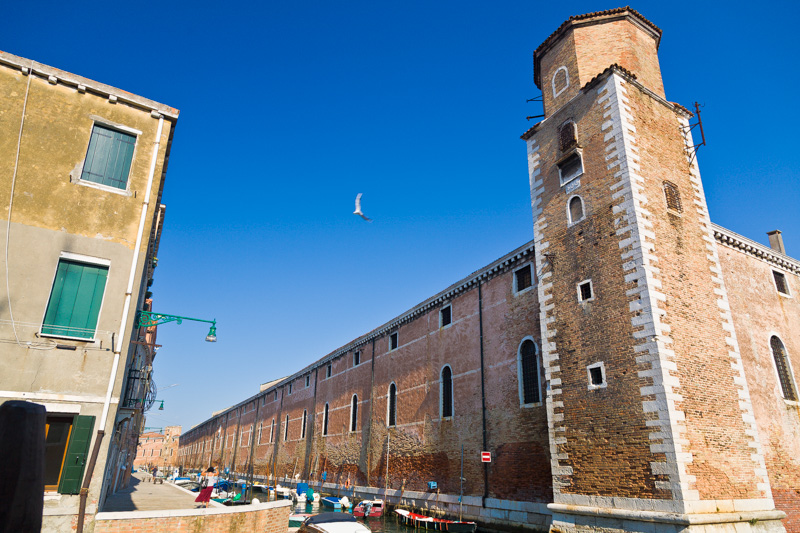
(650, 420)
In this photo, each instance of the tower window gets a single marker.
(567, 136)
(446, 392)
(445, 316)
(528, 371)
(393, 341)
(523, 278)
(783, 368)
(673, 196)
(391, 418)
(575, 209)
(585, 291)
(597, 376)
(560, 81)
(570, 168)
(356, 358)
(780, 282)
(354, 413)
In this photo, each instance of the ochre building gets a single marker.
(82, 166)
(632, 368)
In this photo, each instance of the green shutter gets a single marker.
(108, 159)
(75, 300)
(77, 450)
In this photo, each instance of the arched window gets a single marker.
(560, 81)
(354, 413)
(325, 420)
(286, 429)
(446, 392)
(575, 209)
(391, 416)
(303, 427)
(528, 371)
(784, 370)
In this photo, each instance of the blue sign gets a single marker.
(324, 476)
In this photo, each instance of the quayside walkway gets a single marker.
(144, 496)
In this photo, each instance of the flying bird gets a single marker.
(358, 209)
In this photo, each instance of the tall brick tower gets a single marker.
(650, 420)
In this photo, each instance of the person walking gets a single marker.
(207, 486)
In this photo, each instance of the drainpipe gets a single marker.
(483, 399)
(122, 329)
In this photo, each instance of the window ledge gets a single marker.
(523, 291)
(66, 337)
(784, 294)
(100, 186)
(529, 405)
(791, 403)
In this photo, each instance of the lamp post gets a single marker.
(146, 319)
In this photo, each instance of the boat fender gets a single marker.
(345, 502)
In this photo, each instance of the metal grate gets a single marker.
(673, 196)
(530, 373)
(567, 136)
(445, 316)
(523, 278)
(779, 353)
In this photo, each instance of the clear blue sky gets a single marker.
(288, 109)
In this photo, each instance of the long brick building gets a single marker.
(631, 368)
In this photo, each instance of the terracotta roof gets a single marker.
(569, 22)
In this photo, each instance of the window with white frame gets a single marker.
(272, 430)
(780, 282)
(391, 406)
(325, 414)
(446, 392)
(354, 413)
(303, 426)
(575, 212)
(109, 156)
(523, 278)
(260, 428)
(393, 341)
(75, 297)
(570, 167)
(784, 369)
(445, 316)
(560, 81)
(356, 358)
(585, 291)
(286, 429)
(528, 372)
(290, 387)
(328, 370)
(597, 375)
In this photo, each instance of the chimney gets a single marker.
(776, 241)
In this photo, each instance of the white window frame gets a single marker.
(574, 152)
(601, 365)
(775, 284)
(75, 175)
(388, 404)
(308, 380)
(521, 387)
(569, 212)
(260, 431)
(272, 431)
(556, 94)
(788, 365)
(290, 388)
(452, 393)
(326, 411)
(591, 288)
(356, 354)
(329, 371)
(516, 290)
(441, 325)
(286, 430)
(303, 423)
(353, 421)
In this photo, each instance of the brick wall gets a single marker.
(272, 517)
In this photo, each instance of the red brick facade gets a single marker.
(659, 400)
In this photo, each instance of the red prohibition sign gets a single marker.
(486, 457)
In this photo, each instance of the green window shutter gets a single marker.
(77, 450)
(108, 159)
(75, 300)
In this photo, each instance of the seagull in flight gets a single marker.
(358, 209)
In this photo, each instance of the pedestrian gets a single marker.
(155, 471)
(207, 486)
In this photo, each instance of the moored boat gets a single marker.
(440, 524)
(335, 503)
(368, 508)
(333, 523)
(297, 519)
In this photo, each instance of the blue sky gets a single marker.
(289, 109)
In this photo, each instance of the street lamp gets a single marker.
(146, 319)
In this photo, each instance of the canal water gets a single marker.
(385, 524)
